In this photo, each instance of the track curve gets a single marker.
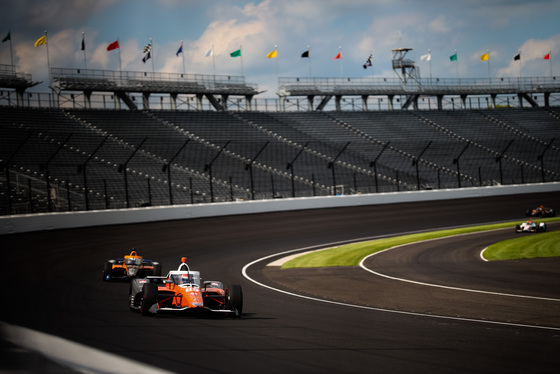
(53, 284)
(441, 278)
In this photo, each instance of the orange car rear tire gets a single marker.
(236, 298)
(149, 298)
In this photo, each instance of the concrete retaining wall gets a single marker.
(51, 221)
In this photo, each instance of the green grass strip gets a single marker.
(352, 254)
(546, 244)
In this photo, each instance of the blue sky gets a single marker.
(360, 27)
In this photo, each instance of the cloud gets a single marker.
(439, 24)
(256, 28)
(100, 57)
(62, 13)
(531, 63)
(35, 59)
(359, 26)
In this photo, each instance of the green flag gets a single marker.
(454, 57)
(235, 53)
(8, 37)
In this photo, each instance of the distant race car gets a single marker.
(130, 266)
(541, 211)
(530, 226)
(182, 290)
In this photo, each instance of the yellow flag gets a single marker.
(272, 54)
(42, 40)
(485, 56)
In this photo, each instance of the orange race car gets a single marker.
(541, 211)
(130, 266)
(182, 290)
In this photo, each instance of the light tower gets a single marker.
(404, 67)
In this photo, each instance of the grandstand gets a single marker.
(64, 158)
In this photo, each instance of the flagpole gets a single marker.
(152, 52)
(488, 65)
(371, 54)
(341, 67)
(241, 59)
(430, 57)
(11, 50)
(550, 61)
(183, 56)
(9, 38)
(309, 58)
(457, 65)
(120, 63)
(84, 48)
(48, 59)
(277, 69)
(519, 54)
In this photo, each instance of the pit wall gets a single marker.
(63, 220)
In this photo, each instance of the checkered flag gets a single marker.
(368, 62)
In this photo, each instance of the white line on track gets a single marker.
(442, 286)
(328, 245)
(482, 255)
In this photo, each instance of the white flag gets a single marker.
(427, 57)
(209, 52)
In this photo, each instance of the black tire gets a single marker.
(157, 270)
(130, 302)
(517, 228)
(542, 228)
(236, 298)
(149, 298)
(107, 270)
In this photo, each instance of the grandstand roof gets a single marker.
(9, 78)
(132, 81)
(124, 82)
(413, 89)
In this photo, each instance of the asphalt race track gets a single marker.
(52, 283)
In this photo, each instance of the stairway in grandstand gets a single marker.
(248, 154)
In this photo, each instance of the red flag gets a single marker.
(339, 55)
(113, 45)
(547, 57)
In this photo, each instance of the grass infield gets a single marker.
(526, 246)
(546, 244)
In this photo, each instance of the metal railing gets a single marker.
(30, 192)
(187, 102)
(128, 78)
(9, 73)
(326, 85)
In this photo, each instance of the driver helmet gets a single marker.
(186, 278)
